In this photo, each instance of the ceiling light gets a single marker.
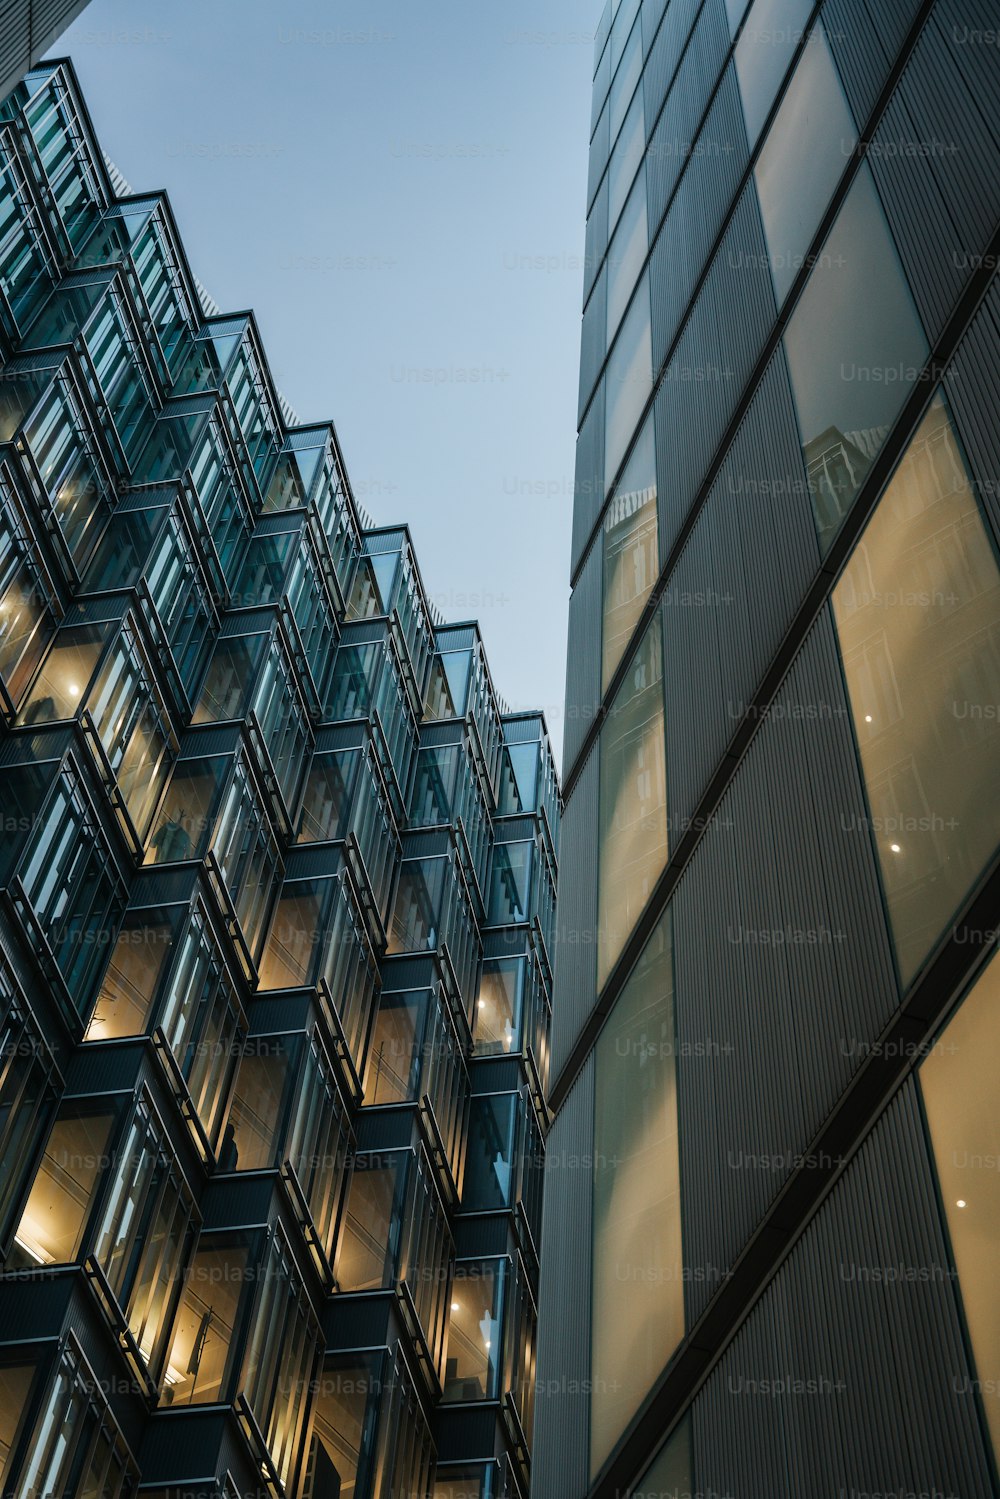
(895, 848)
(960, 1203)
(868, 718)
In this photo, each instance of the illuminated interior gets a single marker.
(54, 1217)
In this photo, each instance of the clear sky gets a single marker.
(397, 189)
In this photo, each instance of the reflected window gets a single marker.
(803, 158)
(417, 910)
(767, 43)
(76, 1449)
(637, 1296)
(395, 1058)
(343, 1427)
(855, 346)
(631, 551)
(448, 693)
(632, 833)
(510, 883)
(958, 1079)
(370, 1236)
(472, 1363)
(918, 618)
(628, 380)
(55, 1216)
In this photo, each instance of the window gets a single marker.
(71, 884)
(15, 1386)
(511, 883)
(519, 768)
(22, 258)
(855, 346)
(637, 1292)
(626, 158)
(76, 1449)
(803, 158)
(472, 1363)
(131, 722)
(917, 612)
(369, 1434)
(632, 833)
(281, 1356)
(670, 1476)
(63, 452)
(140, 956)
(187, 816)
(203, 1349)
(627, 254)
(143, 1237)
(416, 1054)
(27, 1091)
(62, 684)
(958, 1080)
(629, 381)
(491, 1169)
(631, 551)
(230, 679)
(54, 1219)
(448, 693)
(326, 802)
(767, 42)
(25, 619)
(498, 1007)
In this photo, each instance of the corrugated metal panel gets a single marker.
(652, 15)
(668, 48)
(711, 364)
(574, 989)
(696, 213)
(583, 659)
(864, 39)
(593, 341)
(936, 157)
(881, 1409)
(782, 960)
(735, 588)
(561, 1460)
(589, 485)
(598, 154)
(972, 385)
(670, 143)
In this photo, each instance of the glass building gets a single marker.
(769, 1265)
(277, 901)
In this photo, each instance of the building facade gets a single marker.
(277, 898)
(772, 1211)
(27, 30)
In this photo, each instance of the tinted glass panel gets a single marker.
(631, 552)
(629, 381)
(772, 32)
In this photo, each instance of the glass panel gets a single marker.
(510, 883)
(773, 30)
(327, 800)
(230, 678)
(855, 346)
(489, 1165)
(473, 1358)
(418, 906)
(370, 1236)
(125, 1000)
(803, 158)
(629, 381)
(519, 779)
(204, 1325)
(632, 833)
(670, 1476)
(626, 78)
(498, 1009)
(626, 157)
(255, 1119)
(637, 1301)
(15, 1382)
(51, 1228)
(395, 1058)
(343, 1431)
(627, 253)
(470, 1483)
(959, 1081)
(918, 616)
(186, 817)
(63, 680)
(631, 551)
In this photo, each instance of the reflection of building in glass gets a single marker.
(770, 1271)
(277, 893)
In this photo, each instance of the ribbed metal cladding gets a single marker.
(560, 1462)
(735, 588)
(598, 154)
(589, 484)
(652, 15)
(593, 340)
(883, 1361)
(865, 36)
(576, 959)
(711, 364)
(971, 385)
(783, 965)
(688, 95)
(939, 185)
(696, 214)
(583, 662)
(34, 22)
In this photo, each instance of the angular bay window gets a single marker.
(474, 1350)
(433, 909)
(368, 682)
(346, 794)
(281, 1355)
(958, 1082)
(288, 1112)
(70, 889)
(204, 1345)
(76, 1449)
(26, 621)
(53, 1223)
(855, 347)
(637, 1294)
(632, 838)
(917, 612)
(143, 1237)
(369, 1435)
(396, 1233)
(23, 260)
(27, 1092)
(63, 450)
(448, 693)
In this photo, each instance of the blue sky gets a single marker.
(397, 189)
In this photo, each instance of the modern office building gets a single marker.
(277, 897)
(772, 1221)
(27, 30)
